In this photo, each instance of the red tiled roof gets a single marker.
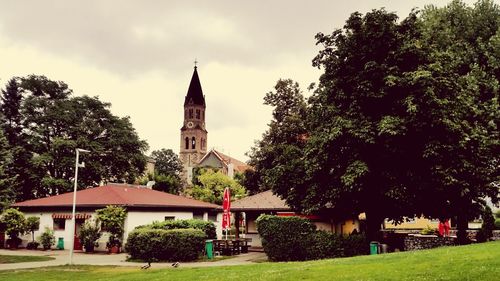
(261, 201)
(238, 165)
(118, 194)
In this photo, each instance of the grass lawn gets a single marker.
(16, 259)
(472, 262)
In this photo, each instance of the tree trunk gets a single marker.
(462, 226)
(373, 223)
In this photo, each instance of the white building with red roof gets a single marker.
(143, 206)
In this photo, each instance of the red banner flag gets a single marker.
(226, 205)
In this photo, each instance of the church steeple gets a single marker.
(193, 142)
(195, 93)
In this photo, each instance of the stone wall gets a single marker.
(420, 242)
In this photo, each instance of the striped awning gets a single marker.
(68, 216)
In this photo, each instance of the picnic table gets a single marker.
(231, 246)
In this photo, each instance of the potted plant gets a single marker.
(32, 224)
(112, 219)
(14, 223)
(90, 232)
(47, 239)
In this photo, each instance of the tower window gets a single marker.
(186, 140)
(197, 114)
(193, 143)
(185, 114)
(203, 114)
(191, 113)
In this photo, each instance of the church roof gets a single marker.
(264, 201)
(195, 93)
(238, 165)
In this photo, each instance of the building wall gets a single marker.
(134, 219)
(416, 223)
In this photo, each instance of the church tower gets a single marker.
(193, 132)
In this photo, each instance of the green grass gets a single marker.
(16, 259)
(472, 262)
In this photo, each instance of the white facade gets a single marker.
(134, 218)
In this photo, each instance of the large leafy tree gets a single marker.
(277, 157)
(7, 194)
(54, 123)
(404, 121)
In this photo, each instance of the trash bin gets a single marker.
(60, 243)
(373, 248)
(383, 248)
(209, 248)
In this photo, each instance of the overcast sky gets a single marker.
(139, 56)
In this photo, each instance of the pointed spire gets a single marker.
(195, 93)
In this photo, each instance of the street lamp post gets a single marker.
(73, 220)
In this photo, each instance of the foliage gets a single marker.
(90, 232)
(166, 183)
(112, 219)
(488, 225)
(167, 162)
(33, 245)
(32, 224)
(165, 245)
(47, 238)
(285, 238)
(7, 194)
(207, 227)
(18, 259)
(296, 239)
(45, 124)
(405, 120)
(212, 185)
(428, 230)
(14, 222)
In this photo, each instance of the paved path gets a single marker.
(62, 258)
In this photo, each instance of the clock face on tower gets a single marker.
(190, 124)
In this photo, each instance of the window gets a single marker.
(212, 216)
(197, 114)
(185, 114)
(202, 143)
(169, 218)
(198, 215)
(59, 224)
(191, 113)
(203, 114)
(193, 143)
(187, 142)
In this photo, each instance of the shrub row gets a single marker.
(207, 227)
(165, 245)
(296, 239)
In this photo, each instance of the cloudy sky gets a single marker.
(139, 56)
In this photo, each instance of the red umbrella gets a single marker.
(226, 205)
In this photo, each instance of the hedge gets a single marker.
(165, 245)
(206, 226)
(296, 239)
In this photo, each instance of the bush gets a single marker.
(486, 231)
(428, 231)
(355, 245)
(90, 232)
(165, 245)
(47, 239)
(285, 238)
(113, 220)
(497, 224)
(206, 226)
(294, 238)
(32, 245)
(32, 224)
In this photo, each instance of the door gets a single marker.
(78, 224)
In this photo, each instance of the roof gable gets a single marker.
(261, 201)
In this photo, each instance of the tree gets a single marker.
(53, 124)
(166, 183)
(167, 162)
(32, 224)
(112, 219)
(14, 223)
(212, 185)
(276, 158)
(7, 194)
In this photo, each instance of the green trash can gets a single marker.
(373, 248)
(60, 243)
(209, 249)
